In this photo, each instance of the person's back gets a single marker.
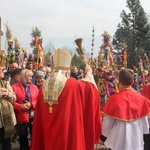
(146, 89)
(126, 135)
(125, 118)
(125, 131)
(146, 93)
(70, 123)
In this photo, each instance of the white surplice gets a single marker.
(125, 135)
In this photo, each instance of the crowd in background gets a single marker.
(16, 82)
(21, 87)
(19, 81)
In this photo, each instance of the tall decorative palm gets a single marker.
(37, 45)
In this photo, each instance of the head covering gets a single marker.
(53, 87)
(39, 73)
(61, 59)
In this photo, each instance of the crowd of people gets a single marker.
(19, 92)
(65, 107)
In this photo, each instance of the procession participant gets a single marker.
(41, 68)
(15, 76)
(102, 86)
(125, 118)
(146, 89)
(146, 92)
(67, 114)
(7, 115)
(27, 95)
(111, 86)
(74, 72)
(48, 72)
(39, 78)
(81, 74)
(12, 67)
(15, 79)
(148, 79)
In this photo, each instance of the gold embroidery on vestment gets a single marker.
(52, 89)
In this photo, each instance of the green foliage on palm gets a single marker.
(78, 61)
(35, 32)
(8, 32)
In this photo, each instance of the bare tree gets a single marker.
(69, 49)
(48, 50)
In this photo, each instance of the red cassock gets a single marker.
(146, 91)
(127, 105)
(75, 123)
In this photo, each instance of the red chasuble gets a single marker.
(127, 105)
(146, 91)
(75, 123)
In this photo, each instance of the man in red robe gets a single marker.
(67, 115)
(146, 92)
(146, 89)
(125, 118)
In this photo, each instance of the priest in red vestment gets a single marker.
(67, 114)
(146, 92)
(146, 89)
(125, 119)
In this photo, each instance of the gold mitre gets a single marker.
(61, 59)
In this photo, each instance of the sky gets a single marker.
(63, 21)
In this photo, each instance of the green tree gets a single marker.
(134, 30)
(78, 61)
